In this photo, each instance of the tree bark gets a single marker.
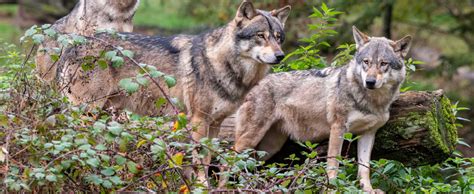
(421, 130)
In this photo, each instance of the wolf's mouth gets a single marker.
(261, 61)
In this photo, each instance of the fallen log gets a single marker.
(421, 130)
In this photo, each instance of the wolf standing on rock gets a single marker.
(214, 70)
(315, 105)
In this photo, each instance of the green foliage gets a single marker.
(49, 145)
(308, 56)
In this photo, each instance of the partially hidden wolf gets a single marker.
(85, 19)
(214, 70)
(317, 105)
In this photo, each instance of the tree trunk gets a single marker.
(421, 130)
(387, 19)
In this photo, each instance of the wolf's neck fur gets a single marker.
(376, 100)
(235, 74)
(89, 15)
(74, 21)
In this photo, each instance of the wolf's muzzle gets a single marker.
(370, 83)
(279, 56)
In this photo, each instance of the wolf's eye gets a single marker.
(366, 61)
(261, 35)
(384, 63)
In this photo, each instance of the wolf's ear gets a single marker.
(246, 11)
(282, 14)
(360, 38)
(402, 46)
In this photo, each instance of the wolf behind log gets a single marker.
(85, 19)
(315, 105)
(214, 70)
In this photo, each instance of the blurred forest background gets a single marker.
(443, 32)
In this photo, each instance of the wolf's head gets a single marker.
(259, 34)
(379, 60)
(107, 14)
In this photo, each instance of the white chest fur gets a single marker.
(359, 122)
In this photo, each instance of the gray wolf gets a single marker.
(214, 70)
(85, 19)
(316, 105)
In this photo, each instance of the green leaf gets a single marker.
(348, 136)
(3, 120)
(461, 142)
(120, 160)
(132, 167)
(107, 184)
(85, 147)
(160, 102)
(325, 8)
(39, 175)
(127, 53)
(109, 55)
(129, 85)
(48, 145)
(108, 171)
(99, 125)
(115, 128)
(54, 58)
(31, 31)
(38, 38)
(51, 178)
(117, 61)
(388, 167)
(87, 66)
(170, 81)
(94, 162)
(116, 180)
(100, 147)
(50, 32)
(155, 73)
(142, 80)
(94, 179)
(78, 39)
(102, 64)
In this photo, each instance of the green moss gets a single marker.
(439, 124)
(449, 122)
(442, 125)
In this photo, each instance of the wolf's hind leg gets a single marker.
(252, 123)
(272, 142)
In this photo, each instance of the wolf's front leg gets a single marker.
(202, 131)
(364, 150)
(335, 147)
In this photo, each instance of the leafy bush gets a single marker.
(49, 145)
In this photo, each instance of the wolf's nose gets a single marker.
(280, 56)
(370, 83)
